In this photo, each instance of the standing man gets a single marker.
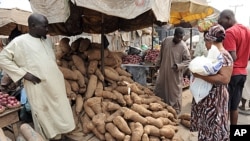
(173, 58)
(238, 45)
(31, 57)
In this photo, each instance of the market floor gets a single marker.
(184, 133)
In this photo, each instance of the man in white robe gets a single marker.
(31, 57)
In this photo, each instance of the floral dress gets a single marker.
(210, 116)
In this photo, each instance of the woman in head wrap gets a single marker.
(210, 116)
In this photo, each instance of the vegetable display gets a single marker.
(108, 103)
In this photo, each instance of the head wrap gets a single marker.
(215, 33)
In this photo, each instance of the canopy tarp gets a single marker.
(12, 18)
(93, 16)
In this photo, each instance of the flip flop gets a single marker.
(242, 108)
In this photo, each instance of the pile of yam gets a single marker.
(106, 102)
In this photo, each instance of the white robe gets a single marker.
(50, 107)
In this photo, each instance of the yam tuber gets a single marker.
(91, 86)
(108, 137)
(84, 120)
(137, 132)
(84, 45)
(119, 97)
(111, 74)
(145, 137)
(108, 94)
(186, 123)
(79, 104)
(134, 116)
(99, 74)
(80, 80)
(29, 133)
(79, 63)
(155, 107)
(114, 131)
(136, 98)
(88, 110)
(93, 64)
(119, 112)
(127, 138)
(167, 132)
(152, 130)
(95, 104)
(141, 110)
(122, 89)
(128, 100)
(122, 125)
(186, 116)
(111, 106)
(68, 74)
(99, 122)
(155, 121)
(99, 88)
(121, 72)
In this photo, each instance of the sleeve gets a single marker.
(186, 58)
(7, 63)
(229, 42)
(159, 57)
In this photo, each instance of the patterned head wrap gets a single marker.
(215, 33)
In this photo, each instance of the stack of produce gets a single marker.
(151, 55)
(110, 105)
(7, 101)
(185, 119)
(132, 59)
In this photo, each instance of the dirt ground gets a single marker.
(184, 133)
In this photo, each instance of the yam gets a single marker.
(167, 132)
(99, 122)
(93, 64)
(157, 122)
(122, 71)
(91, 86)
(119, 112)
(95, 104)
(136, 99)
(114, 131)
(99, 89)
(99, 74)
(68, 74)
(119, 98)
(141, 110)
(123, 89)
(108, 137)
(137, 132)
(68, 87)
(152, 130)
(185, 123)
(88, 110)
(128, 100)
(127, 138)
(79, 104)
(186, 116)
(111, 106)
(127, 79)
(80, 80)
(84, 120)
(163, 113)
(108, 94)
(111, 74)
(155, 107)
(74, 86)
(122, 125)
(64, 45)
(95, 54)
(134, 116)
(84, 45)
(29, 133)
(172, 110)
(79, 63)
(145, 137)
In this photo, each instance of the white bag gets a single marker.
(199, 89)
(207, 65)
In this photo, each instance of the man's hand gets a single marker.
(32, 78)
(175, 67)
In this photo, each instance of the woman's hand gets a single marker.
(32, 78)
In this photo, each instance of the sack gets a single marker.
(199, 88)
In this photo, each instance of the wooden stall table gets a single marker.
(10, 118)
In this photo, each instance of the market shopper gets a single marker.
(173, 58)
(246, 91)
(210, 116)
(238, 44)
(31, 57)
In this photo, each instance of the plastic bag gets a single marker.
(207, 65)
(199, 89)
(205, 24)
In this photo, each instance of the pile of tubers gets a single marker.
(106, 102)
